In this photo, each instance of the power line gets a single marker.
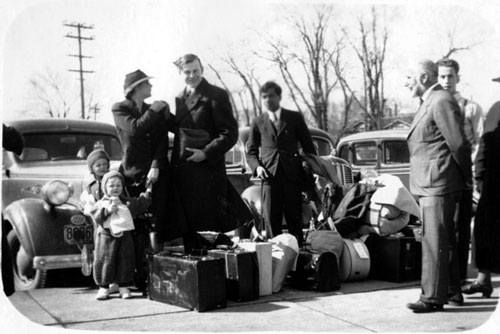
(80, 38)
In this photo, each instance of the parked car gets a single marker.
(384, 151)
(45, 226)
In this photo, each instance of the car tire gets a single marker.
(31, 278)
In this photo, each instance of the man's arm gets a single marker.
(253, 145)
(305, 138)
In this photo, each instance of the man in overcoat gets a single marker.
(273, 155)
(440, 165)
(199, 170)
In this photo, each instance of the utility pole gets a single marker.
(80, 38)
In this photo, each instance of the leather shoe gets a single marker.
(476, 287)
(423, 307)
(456, 300)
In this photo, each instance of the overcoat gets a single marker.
(486, 222)
(202, 185)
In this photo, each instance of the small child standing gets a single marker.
(114, 260)
(98, 162)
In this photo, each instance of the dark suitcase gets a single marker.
(192, 282)
(242, 273)
(394, 258)
(316, 271)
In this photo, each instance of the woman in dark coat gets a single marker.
(486, 222)
(142, 129)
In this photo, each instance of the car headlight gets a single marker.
(57, 192)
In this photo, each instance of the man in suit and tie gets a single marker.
(199, 171)
(440, 165)
(278, 132)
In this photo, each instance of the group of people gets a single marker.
(189, 191)
(450, 153)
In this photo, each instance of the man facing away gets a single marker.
(277, 133)
(440, 165)
(448, 78)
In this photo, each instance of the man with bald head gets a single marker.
(440, 165)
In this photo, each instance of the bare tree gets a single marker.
(51, 94)
(371, 53)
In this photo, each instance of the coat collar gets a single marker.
(424, 107)
(185, 106)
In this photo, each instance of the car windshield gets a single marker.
(68, 146)
(365, 154)
(396, 152)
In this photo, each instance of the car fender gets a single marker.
(39, 226)
(252, 196)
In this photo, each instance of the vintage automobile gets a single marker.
(384, 151)
(42, 217)
(44, 224)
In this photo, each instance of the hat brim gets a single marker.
(496, 79)
(135, 84)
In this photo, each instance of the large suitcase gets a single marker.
(355, 260)
(265, 259)
(394, 258)
(242, 273)
(316, 271)
(192, 282)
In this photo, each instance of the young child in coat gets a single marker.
(98, 162)
(114, 259)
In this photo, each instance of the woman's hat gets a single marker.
(109, 175)
(96, 155)
(496, 79)
(133, 79)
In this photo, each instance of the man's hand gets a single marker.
(261, 173)
(153, 175)
(197, 156)
(158, 106)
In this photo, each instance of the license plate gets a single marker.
(82, 234)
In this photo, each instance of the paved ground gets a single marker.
(365, 306)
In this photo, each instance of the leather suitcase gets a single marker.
(265, 259)
(316, 271)
(355, 260)
(192, 282)
(394, 258)
(242, 273)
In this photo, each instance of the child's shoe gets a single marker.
(125, 293)
(102, 294)
(113, 288)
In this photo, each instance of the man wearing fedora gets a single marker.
(142, 129)
(205, 129)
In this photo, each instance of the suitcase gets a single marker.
(394, 258)
(316, 271)
(265, 259)
(355, 260)
(192, 282)
(242, 273)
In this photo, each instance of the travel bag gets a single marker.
(395, 258)
(192, 282)
(316, 271)
(242, 273)
(355, 260)
(265, 260)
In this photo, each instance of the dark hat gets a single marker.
(96, 155)
(107, 176)
(133, 79)
(496, 79)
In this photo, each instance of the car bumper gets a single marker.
(57, 261)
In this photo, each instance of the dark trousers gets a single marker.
(439, 248)
(463, 232)
(282, 196)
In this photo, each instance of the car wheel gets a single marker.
(25, 276)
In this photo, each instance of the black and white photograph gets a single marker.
(218, 166)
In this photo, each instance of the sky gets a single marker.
(150, 34)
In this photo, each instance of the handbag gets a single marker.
(192, 138)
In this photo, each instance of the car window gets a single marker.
(365, 154)
(235, 155)
(396, 152)
(344, 153)
(323, 147)
(61, 146)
